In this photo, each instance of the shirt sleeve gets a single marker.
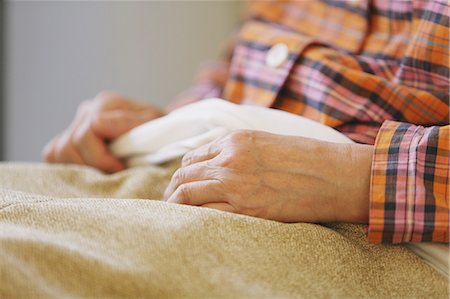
(409, 200)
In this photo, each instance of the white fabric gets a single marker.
(187, 128)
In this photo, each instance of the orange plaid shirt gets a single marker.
(377, 71)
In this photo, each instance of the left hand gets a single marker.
(283, 178)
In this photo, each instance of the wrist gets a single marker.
(353, 200)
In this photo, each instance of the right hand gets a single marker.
(96, 122)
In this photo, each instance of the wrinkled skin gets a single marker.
(283, 178)
(97, 121)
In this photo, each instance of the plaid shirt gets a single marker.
(377, 71)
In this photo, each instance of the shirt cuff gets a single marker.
(409, 185)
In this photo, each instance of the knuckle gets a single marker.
(96, 119)
(184, 193)
(237, 161)
(178, 176)
(103, 95)
(84, 108)
(77, 139)
(239, 136)
(237, 151)
(186, 160)
(84, 105)
(227, 160)
(234, 137)
(104, 98)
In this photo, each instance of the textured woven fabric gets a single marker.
(358, 66)
(69, 232)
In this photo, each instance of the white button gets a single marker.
(277, 55)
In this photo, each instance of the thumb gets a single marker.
(112, 124)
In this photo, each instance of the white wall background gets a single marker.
(60, 53)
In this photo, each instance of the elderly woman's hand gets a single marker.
(97, 121)
(283, 178)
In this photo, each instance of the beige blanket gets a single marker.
(74, 232)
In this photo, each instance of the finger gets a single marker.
(192, 173)
(65, 152)
(48, 153)
(96, 154)
(56, 147)
(71, 155)
(198, 193)
(221, 206)
(203, 153)
(94, 150)
(112, 124)
(84, 112)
